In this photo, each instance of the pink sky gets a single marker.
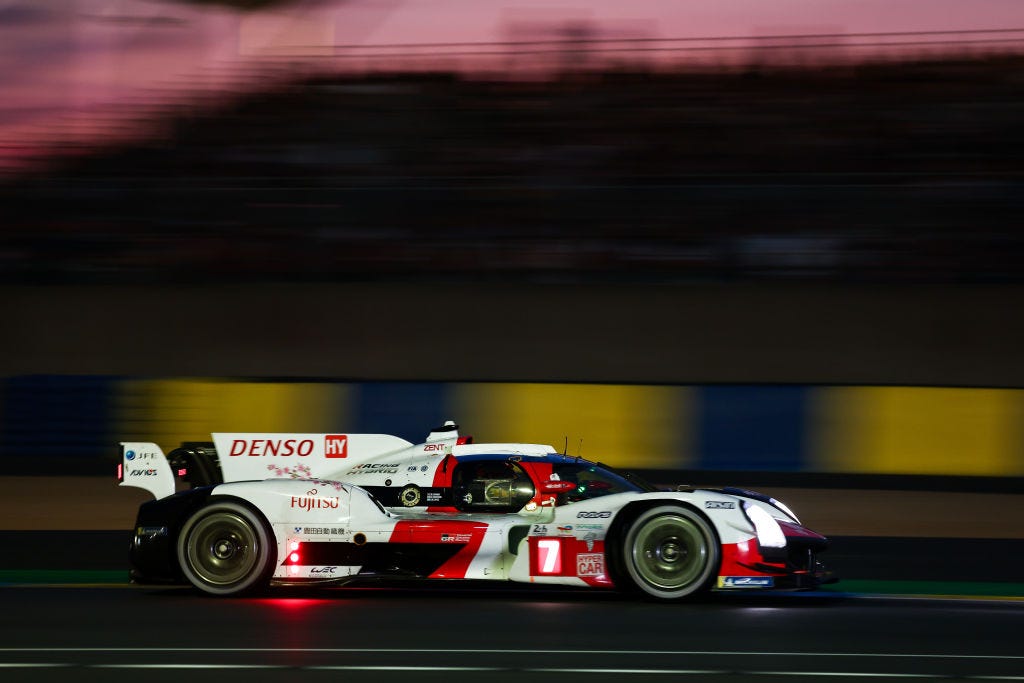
(77, 69)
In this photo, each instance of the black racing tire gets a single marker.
(670, 552)
(226, 549)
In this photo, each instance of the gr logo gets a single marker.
(336, 446)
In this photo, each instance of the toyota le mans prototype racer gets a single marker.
(247, 511)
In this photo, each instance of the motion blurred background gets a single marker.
(776, 245)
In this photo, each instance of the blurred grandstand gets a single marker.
(856, 173)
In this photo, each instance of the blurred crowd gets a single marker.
(862, 173)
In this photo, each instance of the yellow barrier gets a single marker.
(917, 430)
(171, 411)
(628, 426)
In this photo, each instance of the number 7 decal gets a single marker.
(550, 557)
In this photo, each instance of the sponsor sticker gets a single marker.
(589, 564)
(336, 446)
(311, 501)
(261, 448)
(410, 496)
(132, 455)
(455, 538)
(604, 514)
(719, 504)
(746, 582)
(323, 570)
(374, 468)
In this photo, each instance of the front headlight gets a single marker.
(769, 533)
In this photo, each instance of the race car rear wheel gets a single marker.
(225, 549)
(670, 552)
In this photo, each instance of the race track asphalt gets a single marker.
(69, 614)
(468, 633)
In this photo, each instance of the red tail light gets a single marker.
(294, 552)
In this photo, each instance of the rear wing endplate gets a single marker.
(143, 465)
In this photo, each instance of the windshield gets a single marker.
(593, 481)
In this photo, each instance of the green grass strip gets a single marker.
(944, 588)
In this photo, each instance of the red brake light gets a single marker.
(120, 471)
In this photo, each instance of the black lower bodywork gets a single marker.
(153, 552)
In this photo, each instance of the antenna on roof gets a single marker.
(579, 451)
(565, 448)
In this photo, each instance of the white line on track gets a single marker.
(402, 668)
(31, 665)
(562, 671)
(187, 666)
(371, 651)
(852, 674)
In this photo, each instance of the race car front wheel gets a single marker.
(671, 552)
(225, 549)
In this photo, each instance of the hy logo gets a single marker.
(336, 446)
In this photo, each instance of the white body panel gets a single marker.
(145, 466)
(248, 456)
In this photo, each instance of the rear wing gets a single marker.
(249, 457)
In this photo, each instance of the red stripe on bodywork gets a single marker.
(460, 532)
(443, 480)
(739, 559)
(797, 531)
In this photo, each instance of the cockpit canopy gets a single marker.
(501, 483)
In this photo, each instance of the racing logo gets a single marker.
(719, 505)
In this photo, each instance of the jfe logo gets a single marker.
(336, 446)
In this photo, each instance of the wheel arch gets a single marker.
(259, 516)
(616, 536)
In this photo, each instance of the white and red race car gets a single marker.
(247, 511)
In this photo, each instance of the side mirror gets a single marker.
(556, 486)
